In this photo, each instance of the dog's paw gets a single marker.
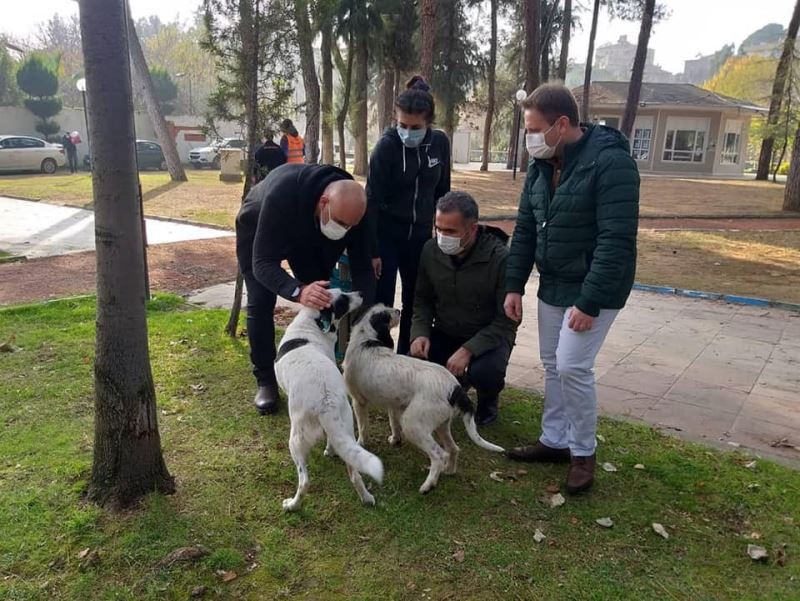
(395, 441)
(426, 487)
(450, 470)
(329, 452)
(368, 499)
(290, 505)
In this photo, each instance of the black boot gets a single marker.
(487, 409)
(267, 399)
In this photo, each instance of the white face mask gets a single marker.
(537, 146)
(449, 245)
(333, 230)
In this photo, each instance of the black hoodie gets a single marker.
(404, 184)
(277, 223)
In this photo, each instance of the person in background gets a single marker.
(71, 149)
(577, 222)
(459, 321)
(269, 156)
(409, 170)
(292, 143)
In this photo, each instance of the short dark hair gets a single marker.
(461, 202)
(553, 100)
(417, 99)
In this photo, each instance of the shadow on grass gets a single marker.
(159, 190)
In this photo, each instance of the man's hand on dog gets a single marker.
(420, 347)
(459, 361)
(315, 295)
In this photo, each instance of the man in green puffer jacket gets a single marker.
(459, 321)
(577, 222)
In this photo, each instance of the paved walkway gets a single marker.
(724, 374)
(39, 229)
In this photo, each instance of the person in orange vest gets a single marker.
(292, 144)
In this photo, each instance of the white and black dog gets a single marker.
(421, 397)
(306, 369)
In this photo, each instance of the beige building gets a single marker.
(680, 128)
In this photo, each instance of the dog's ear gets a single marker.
(325, 321)
(341, 306)
(380, 323)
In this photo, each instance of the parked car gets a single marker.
(25, 153)
(208, 156)
(149, 155)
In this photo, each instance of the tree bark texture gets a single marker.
(566, 33)
(127, 462)
(428, 28)
(492, 77)
(305, 40)
(635, 86)
(342, 116)
(587, 76)
(327, 92)
(791, 195)
(360, 125)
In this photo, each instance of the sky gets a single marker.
(694, 26)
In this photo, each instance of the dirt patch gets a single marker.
(179, 267)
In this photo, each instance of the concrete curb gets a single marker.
(718, 296)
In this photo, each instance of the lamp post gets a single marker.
(81, 85)
(189, 79)
(518, 97)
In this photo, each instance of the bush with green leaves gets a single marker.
(166, 89)
(38, 78)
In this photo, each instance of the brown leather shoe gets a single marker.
(538, 452)
(581, 474)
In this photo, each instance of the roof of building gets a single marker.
(609, 93)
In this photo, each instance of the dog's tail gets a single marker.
(356, 456)
(460, 400)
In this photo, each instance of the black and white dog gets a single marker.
(421, 397)
(306, 369)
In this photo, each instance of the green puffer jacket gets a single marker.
(465, 299)
(583, 237)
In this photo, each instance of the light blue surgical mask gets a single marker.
(411, 138)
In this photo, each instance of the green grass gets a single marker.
(233, 469)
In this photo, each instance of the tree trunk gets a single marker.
(327, 92)
(566, 32)
(791, 196)
(492, 76)
(305, 40)
(428, 28)
(532, 19)
(778, 89)
(144, 84)
(386, 102)
(545, 68)
(360, 126)
(340, 119)
(587, 76)
(127, 461)
(635, 86)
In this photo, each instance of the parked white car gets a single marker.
(25, 153)
(208, 156)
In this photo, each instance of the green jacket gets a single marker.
(583, 237)
(465, 299)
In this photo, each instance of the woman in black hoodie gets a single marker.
(409, 170)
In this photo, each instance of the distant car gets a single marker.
(149, 155)
(25, 153)
(208, 156)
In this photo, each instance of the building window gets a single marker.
(730, 149)
(685, 146)
(641, 143)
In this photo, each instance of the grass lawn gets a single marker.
(760, 264)
(471, 538)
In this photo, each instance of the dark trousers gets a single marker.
(400, 256)
(72, 158)
(486, 372)
(261, 329)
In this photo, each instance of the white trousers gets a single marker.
(569, 419)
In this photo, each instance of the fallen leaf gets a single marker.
(521, 472)
(751, 465)
(183, 554)
(364, 538)
(605, 522)
(84, 553)
(7, 347)
(601, 438)
(557, 500)
(459, 556)
(538, 536)
(229, 576)
(514, 502)
(734, 444)
(609, 467)
(755, 535)
(638, 466)
(553, 488)
(757, 553)
(197, 387)
(496, 476)
(660, 530)
(458, 542)
(198, 591)
(754, 486)
(781, 556)
(573, 520)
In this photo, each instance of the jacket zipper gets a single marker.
(416, 193)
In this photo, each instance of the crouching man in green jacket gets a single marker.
(459, 321)
(577, 221)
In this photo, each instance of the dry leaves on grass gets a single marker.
(459, 556)
(556, 500)
(183, 554)
(605, 522)
(538, 536)
(609, 467)
(227, 576)
(660, 530)
(757, 553)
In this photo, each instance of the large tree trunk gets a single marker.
(144, 84)
(532, 20)
(428, 28)
(127, 462)
(635, 87)
(778, 89)
(249, 30)
(492, 77)
(566, 32)
(348, 84)
(305, 39)
(386, 100)
(360, 125)
(327, 92)
(587, 76)
(791, 196)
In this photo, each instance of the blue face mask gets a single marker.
(411, 138)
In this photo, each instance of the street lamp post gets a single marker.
(189, 79)
(519, 97)
(81, 85)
